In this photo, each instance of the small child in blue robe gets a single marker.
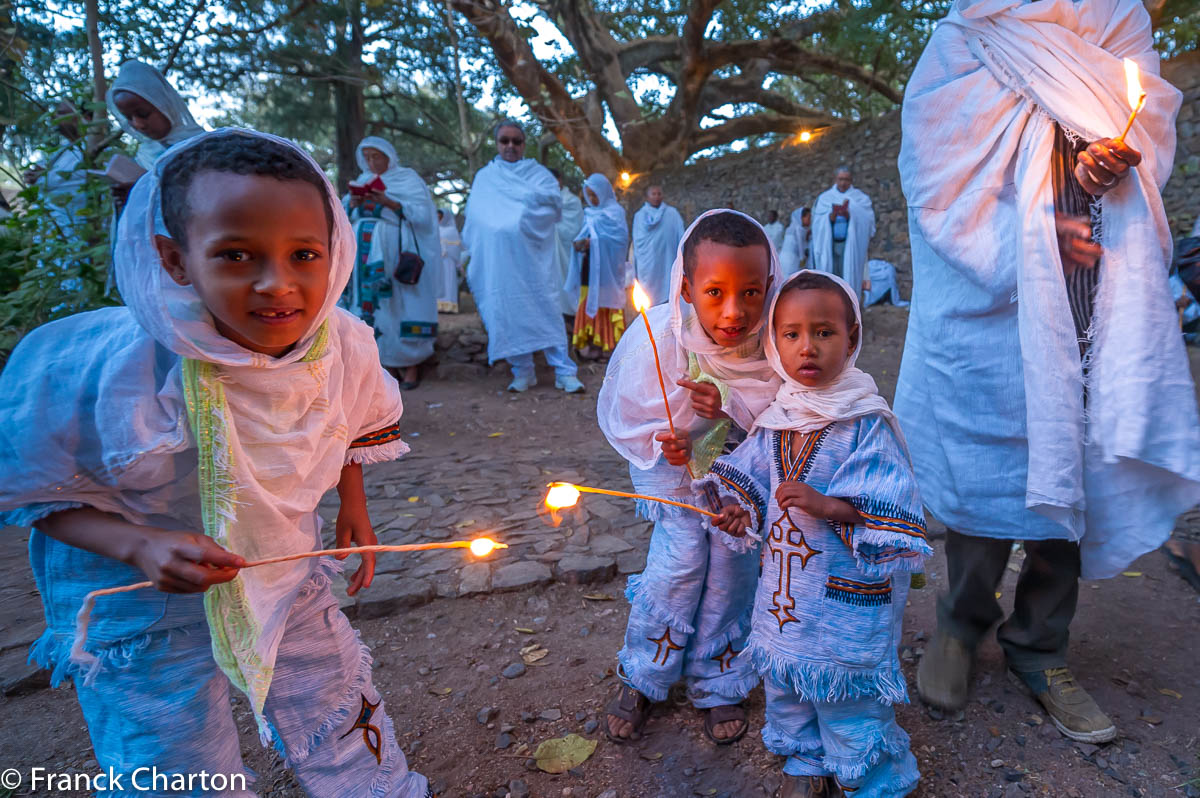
(824, 486)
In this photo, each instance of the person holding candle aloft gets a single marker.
(1045, 389)
(690, 606)
(193, 431)
(823, 486)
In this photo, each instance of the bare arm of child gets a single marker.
(676, 448)
(818, 505)
(354, 525)
(732, 520)
(176, 562)
(706, 399)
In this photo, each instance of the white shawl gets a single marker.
(511, 216)
(566, 230)
(858, 234)
(656, 236)
(155, 378)
(796, 243)
(978, 140)
(607, 232)
(630, 405)
(148, 83)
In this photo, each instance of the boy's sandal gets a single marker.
(725, 714)
(631, 706)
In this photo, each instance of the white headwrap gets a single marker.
(605, 226)
(148, 83)
(852, 394)
(630, 406)
(271, 434)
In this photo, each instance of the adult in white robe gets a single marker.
(400, 218)
(657, 228)
(796, 253)
(882, 276)
(452, 258)
(565, 232)
(775, 230)
(993, 387)
(600, 250)
(135, 97)
(842, 226)
(512, 212)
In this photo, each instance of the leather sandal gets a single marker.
(725, 714)
(631, 706)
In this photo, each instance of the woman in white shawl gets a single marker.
(1018, 432)
(452, 258)
(598, 270)
(150, 110)
(398, 218)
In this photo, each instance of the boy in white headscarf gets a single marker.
(824, 483)
(689, 611)
(598, 270)
(193, 430)
(150, 110)
(397, 218)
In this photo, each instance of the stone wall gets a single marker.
(787, 177)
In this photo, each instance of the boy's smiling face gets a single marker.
(812, 335)
(257, 253)
(727, 286)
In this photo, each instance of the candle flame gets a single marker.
(562, 494)
(482, 547)
(640, 300)
(805, 136)
(1133, 84)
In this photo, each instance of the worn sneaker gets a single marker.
(808, 787)
(1073, 711)
(943, 673)
(522, 384)
(569, 384)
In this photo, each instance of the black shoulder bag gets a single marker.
(408, 270)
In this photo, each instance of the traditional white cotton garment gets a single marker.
(992, 390)
(565, 232)
(797, 245)
(630, 405)
(883, 284)
(775, 231)
(656, 236)
(607, 232)
(452, 260)
(510, 234)
(138, 77)
(858, 234)
(405, 316)
(153, 415)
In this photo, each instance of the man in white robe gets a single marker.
(657, 228)
(512, 212)
(774, 230)
(796, 253)
(843, 223)
(1013, 437)
(566, 230)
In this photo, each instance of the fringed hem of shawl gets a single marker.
(640, 595)
(747, 542)
(727, 686)
(893, 743)
(632, 668)
(777, 741)
(822, 682)
(737, 630)
(380, 453)
(350, 703)
(30, 514)
(53, 652)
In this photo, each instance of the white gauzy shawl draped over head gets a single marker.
(795, 245)
(452, 258)
(852, 394)
(978, 138)
(511, 216)
(656, 236)
(607, 231)
(630, 405)
(565, 231)
(858, 234)
(271, 434)
(145, 81)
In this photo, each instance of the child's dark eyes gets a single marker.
(791, 336)
(307, 255)
(713, 292)
(234, 255)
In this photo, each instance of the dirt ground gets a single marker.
(1134, 646)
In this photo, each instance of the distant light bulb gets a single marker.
(805, 136)
(626, 177)
(562, 494)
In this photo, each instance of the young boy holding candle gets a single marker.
(689, 614)
(824, 484)
(226, 397)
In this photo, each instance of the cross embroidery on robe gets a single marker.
(794, 452)
(371, 738)
(665, 645)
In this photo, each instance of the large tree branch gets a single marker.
(744, 126)
(745, 89)
(599, 53)
(787, 57)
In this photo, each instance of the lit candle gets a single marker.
(564, 494)
(1134, 93)
(641, 301)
